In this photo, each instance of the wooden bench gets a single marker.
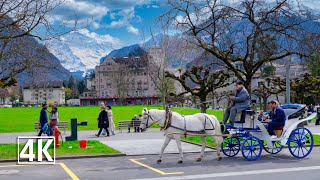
(125, 124)
(61, 125)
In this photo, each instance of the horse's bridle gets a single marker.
(153, 121)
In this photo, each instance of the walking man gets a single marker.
(43, 117)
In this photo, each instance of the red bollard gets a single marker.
(56, 136)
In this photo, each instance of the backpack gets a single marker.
(47, 129)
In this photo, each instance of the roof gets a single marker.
(44, 84)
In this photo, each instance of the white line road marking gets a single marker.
(241, 173)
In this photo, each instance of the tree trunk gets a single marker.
(203, 105)
(247, 85)
(164, 102)
(260, 101)
(265, 99)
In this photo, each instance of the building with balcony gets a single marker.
(124, 81)
(41, 92)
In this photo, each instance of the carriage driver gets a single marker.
(277, 120)
(240, 102)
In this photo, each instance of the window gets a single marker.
(102, 94)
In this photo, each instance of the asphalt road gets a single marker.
(282, 166)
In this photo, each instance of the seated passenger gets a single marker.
(240, 102)
(277, 120)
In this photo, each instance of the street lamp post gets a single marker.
(288, 81)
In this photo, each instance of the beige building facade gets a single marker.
(44, 92)
(125, 80)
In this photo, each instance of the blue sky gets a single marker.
(121, 22)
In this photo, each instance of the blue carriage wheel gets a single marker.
(230, 146)
(300, 142)
(251, 148)
(277, 147)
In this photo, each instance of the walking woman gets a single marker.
(112, 127)
(103, 122)
(54, 116)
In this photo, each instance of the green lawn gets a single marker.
(22, 119)
(210, 142)
(9, 151)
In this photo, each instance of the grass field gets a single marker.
(69, 148)
(23, 119)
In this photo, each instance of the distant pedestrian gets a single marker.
(112, 127)
(54, 116)
(103, 122)
(43, 117)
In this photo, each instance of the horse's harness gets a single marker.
(168, 124)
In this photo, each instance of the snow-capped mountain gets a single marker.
(176, 55)
(67, 58)
(81, 50)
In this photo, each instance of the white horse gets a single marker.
(191, 125)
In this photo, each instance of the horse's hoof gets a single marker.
(159, 161)
(199, 159)
(180, 162)
(219, 158)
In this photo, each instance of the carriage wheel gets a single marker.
(242, 137)
(277, 147)
(230, 146)
(251, 148)
(300, 142)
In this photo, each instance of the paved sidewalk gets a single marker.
(149, 142)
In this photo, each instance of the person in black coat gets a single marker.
(103, 122)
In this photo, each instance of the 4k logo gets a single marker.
(27, 155)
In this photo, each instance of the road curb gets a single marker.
(73, 157)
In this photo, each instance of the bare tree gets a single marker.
(4, 93)
(246, 34)
(157, 65)
(222, 95)
(121, 82)
(20, 22)
(203, 82)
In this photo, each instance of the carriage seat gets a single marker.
(244, 115)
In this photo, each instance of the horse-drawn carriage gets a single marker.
(250, 135)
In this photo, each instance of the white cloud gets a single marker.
(80, 10)
(101, 38)
(155, 6)
(133, 30)
(125, 16)
(95, 25)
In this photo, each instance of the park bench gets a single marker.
(61, 125)
(126, 123)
